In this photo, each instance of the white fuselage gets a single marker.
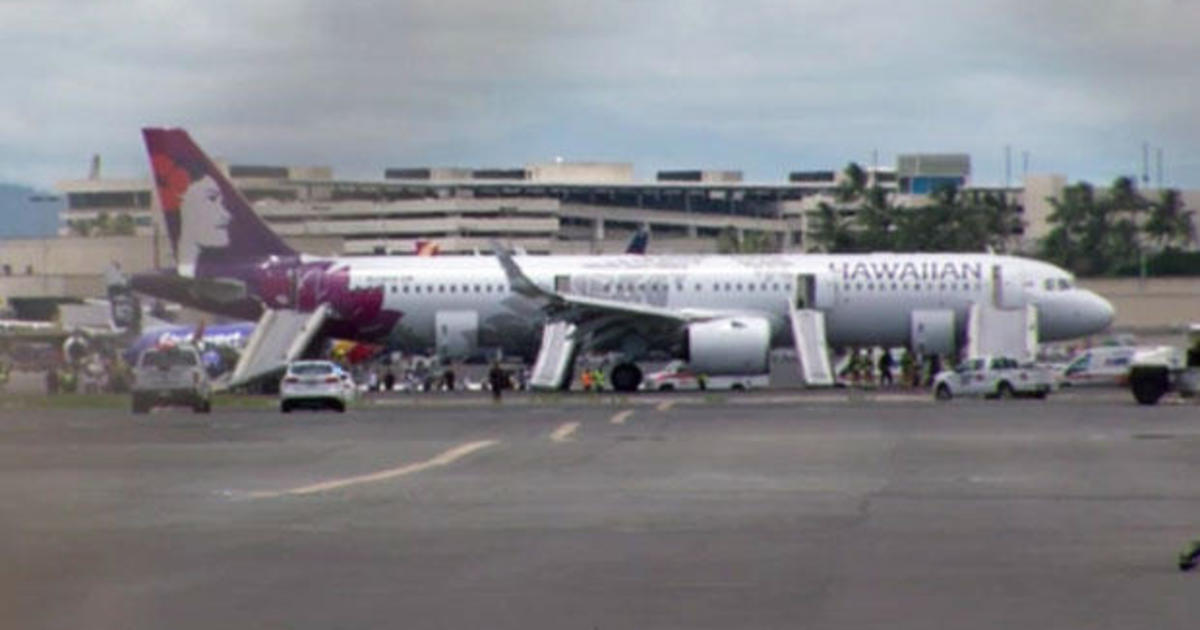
(867, 298)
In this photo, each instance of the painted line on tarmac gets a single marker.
(621, 416)
(665, 405)
(564, 432)
(444, 459)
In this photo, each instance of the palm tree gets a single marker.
(1169, 223)
(832, 233)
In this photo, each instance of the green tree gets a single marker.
(834, 232)
(853, 185)
(123, 225)
(80, 227)
(748, 242)
(1105, 234)
(1168, 223)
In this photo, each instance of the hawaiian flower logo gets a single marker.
(172, 182)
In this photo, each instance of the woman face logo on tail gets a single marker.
(205, 222)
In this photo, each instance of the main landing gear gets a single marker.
(626, 377)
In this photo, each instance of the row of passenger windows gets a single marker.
(716, 287)
(917, 286)
(450, 288)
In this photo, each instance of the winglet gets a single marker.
(517, 278)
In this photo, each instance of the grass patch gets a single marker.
(121, 401)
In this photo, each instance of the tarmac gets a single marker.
(779, 509)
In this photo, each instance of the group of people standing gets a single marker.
(863, 369)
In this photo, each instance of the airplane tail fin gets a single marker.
(426, 248)
(639, 241)
(210, 224)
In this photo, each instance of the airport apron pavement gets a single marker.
(691, 512)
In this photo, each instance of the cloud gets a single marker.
(763, 85)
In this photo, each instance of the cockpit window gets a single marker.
(1064, 284)
(1048, 284)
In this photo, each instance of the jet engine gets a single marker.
(733, 345)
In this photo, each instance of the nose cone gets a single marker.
(1096, 314)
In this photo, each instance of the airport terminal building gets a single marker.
(561, 207)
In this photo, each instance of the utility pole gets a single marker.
(1007, 166)
(1145, 164)
(1158, 172)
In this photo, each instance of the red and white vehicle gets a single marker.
(678, 376)
(993, 377)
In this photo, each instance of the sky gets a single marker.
(763, 86)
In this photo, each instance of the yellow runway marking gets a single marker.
(621, 417)
(563, 433)
(445, 459)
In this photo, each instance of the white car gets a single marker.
(315, 384)
(993, 377)
(678, 376)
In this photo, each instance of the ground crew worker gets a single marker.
(1190, 556)
(885, 368)
(497, 380)
(586, 379)
(598, 379)
(908, 367)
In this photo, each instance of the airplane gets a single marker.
(233, 335)
(721, 313)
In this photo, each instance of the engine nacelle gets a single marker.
(733, 345)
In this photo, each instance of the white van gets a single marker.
(678, 376)
(1102, 365)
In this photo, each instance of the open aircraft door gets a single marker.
(814, 294)
(1008, 287)
(815, 291)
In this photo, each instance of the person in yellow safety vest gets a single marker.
(598, 378)
(1190, 556)
(586, 379)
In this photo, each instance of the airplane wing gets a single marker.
(573, 318)
(579, 309)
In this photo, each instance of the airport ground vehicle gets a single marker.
(1102, 365)
(315, 384)
(677, 375)
(171, 375)
(993, 377)
(1163, 369)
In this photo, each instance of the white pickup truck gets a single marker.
(993, 377)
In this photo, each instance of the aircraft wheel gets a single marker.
(626, 377)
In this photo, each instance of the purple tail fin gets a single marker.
(210, 225)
